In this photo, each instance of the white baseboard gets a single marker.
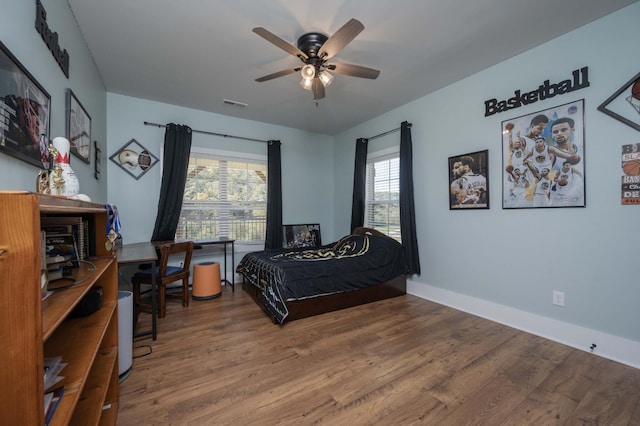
(608, 346)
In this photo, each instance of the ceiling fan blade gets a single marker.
(277, 74)
(318, 89)
(340, 39)
(354, 70)
(284, 45)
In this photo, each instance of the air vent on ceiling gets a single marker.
(235, 103)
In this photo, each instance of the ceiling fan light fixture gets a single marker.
(308, 72)
(314, 50)
(326, 78)
(306, 83)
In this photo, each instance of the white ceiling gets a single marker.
(196, 53)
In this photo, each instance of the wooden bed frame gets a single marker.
(332, 302)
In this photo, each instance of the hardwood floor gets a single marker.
(396, 362)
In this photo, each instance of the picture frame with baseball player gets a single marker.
(134, 159)
(624, 103)
(543, 158)
(78, 128)
(469, 181)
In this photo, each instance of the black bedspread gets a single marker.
(354, 262)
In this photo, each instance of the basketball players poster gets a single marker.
(469, 181)
(543, 158)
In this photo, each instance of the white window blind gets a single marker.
(382, 210)
(224, 196)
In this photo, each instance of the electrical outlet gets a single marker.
(558, 298)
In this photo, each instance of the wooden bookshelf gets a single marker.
(32, 328)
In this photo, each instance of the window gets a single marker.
(382, 211)
(224, 196)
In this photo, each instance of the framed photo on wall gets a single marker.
(624, 104)
(543, 158)
(134, 159)
(25, 110)
(469, 181)
(306, 235)
(96, 161)
(78, 128)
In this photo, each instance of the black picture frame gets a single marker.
(469, 181)
(536, 176)
(25, 113)
(97, 166)
(301, 235)
(624, 104)
(78, 128)
(134, 159)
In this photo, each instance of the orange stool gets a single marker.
(206, 281)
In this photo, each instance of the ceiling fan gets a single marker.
(314, 50)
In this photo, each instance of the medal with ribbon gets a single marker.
(113, 225)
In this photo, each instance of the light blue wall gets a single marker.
(514, 258)
(518, 257)
(307, 180)
(19, 35)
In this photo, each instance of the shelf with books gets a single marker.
(59, 304)
(32, 328)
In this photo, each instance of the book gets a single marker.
(60, 248)
(48, 397)
(54, 274)
(53, 405)
(75, 225)
(52, 366)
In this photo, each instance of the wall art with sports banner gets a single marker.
(543, 158)
(630, 189)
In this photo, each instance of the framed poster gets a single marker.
(78, 128)
(134, 159)
(25, 110)
(307, 235)
(469, 181)
(543, 158)
(624, 104)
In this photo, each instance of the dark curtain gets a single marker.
(359, 184)
(273, 237)
(407, 209)
(177, 146)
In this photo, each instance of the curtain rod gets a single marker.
(146, 123)
(386, 133)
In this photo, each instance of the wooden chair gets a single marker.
(166, 274)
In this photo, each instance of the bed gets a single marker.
(290, 284)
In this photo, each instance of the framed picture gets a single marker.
(25, 110)
(543, 158)
(469, 181)
(624, 104)
(96, 163)
(134, 159)
(78, 128)
(307, 235)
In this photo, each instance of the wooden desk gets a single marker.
(142, 253)
(224, 241)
